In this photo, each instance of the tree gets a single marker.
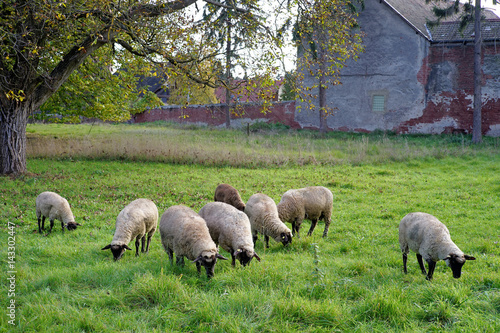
(44, 42)
(469, 13)
(326, 37)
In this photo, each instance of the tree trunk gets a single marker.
(13, 121)
(476, 116)
(323, 112)
(228, 74)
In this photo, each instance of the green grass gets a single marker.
(353, 282)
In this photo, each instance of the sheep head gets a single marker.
(208, 260)
(285, 238)
(455, 262)
(245, 256)
(117, 249)
(71, 225)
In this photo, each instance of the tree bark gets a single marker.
(228, 74)
(13, 122)
(476, 116)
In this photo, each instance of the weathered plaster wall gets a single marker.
(389, 66)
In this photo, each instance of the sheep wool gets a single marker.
(263, 215)
(425, 235)
(186, 234)
(138, 219)
(228, 194)
(314, 203)
(230, 229)
(52, 206)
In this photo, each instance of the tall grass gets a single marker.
(208, 146)
(351, 281)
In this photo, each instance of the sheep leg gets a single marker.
(149, 242)
(233, 259)
(327, 226)
(143, 244)
(313, 225)
(51, 226)
(43, 224)
(421, 264)
(137, 241)
(266, 238)
(198, 267)
(254, 238)
(296, 227)
(170, 255)
(432, 266)
(180, 261)
(405, 259)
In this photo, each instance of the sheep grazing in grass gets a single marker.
(228, 194)
(186, 234)
(52, 206)
(314, 203)
(230, 229)
(138, 219)
(263, 216)
(425, 235)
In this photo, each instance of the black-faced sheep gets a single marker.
(313, 203)
(228, 194)
(425, 235)
(52, 206)
(138, 219)
(263, 215)
(186, 234)
(230, 229)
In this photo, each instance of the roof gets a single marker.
(417, 12)
(450, 32)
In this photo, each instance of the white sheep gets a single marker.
(186, 234)
(228, 194)
(314, 203)
(138, 219)
(425, 235)
(52, 206)
(263, 216)
(230, 229)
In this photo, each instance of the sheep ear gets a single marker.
(256, 256)
(447, 258)
(106, 247)
(235, 253)
(197, 259)
(468, 257)
(220, 257)
(125, 246)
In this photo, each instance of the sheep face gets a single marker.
(71, 225)
(245, 256)
(455, 262)
(285, 238)
(117, 250)
(207, 260)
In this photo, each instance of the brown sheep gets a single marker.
(228, 194)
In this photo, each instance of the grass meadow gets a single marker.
(352, 281)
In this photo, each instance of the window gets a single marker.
(378, 103)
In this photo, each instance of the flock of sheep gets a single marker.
(233, 225)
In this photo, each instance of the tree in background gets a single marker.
(44, 42)
(469, 13)
(326, 37)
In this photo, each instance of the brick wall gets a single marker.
(447, 75)
(214, 114)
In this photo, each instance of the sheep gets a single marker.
(52, 206)
(228, 194)
(186, 234)
(425, 235)
(314, 203)
(263, 216)
(230, 229)
(138, 218)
